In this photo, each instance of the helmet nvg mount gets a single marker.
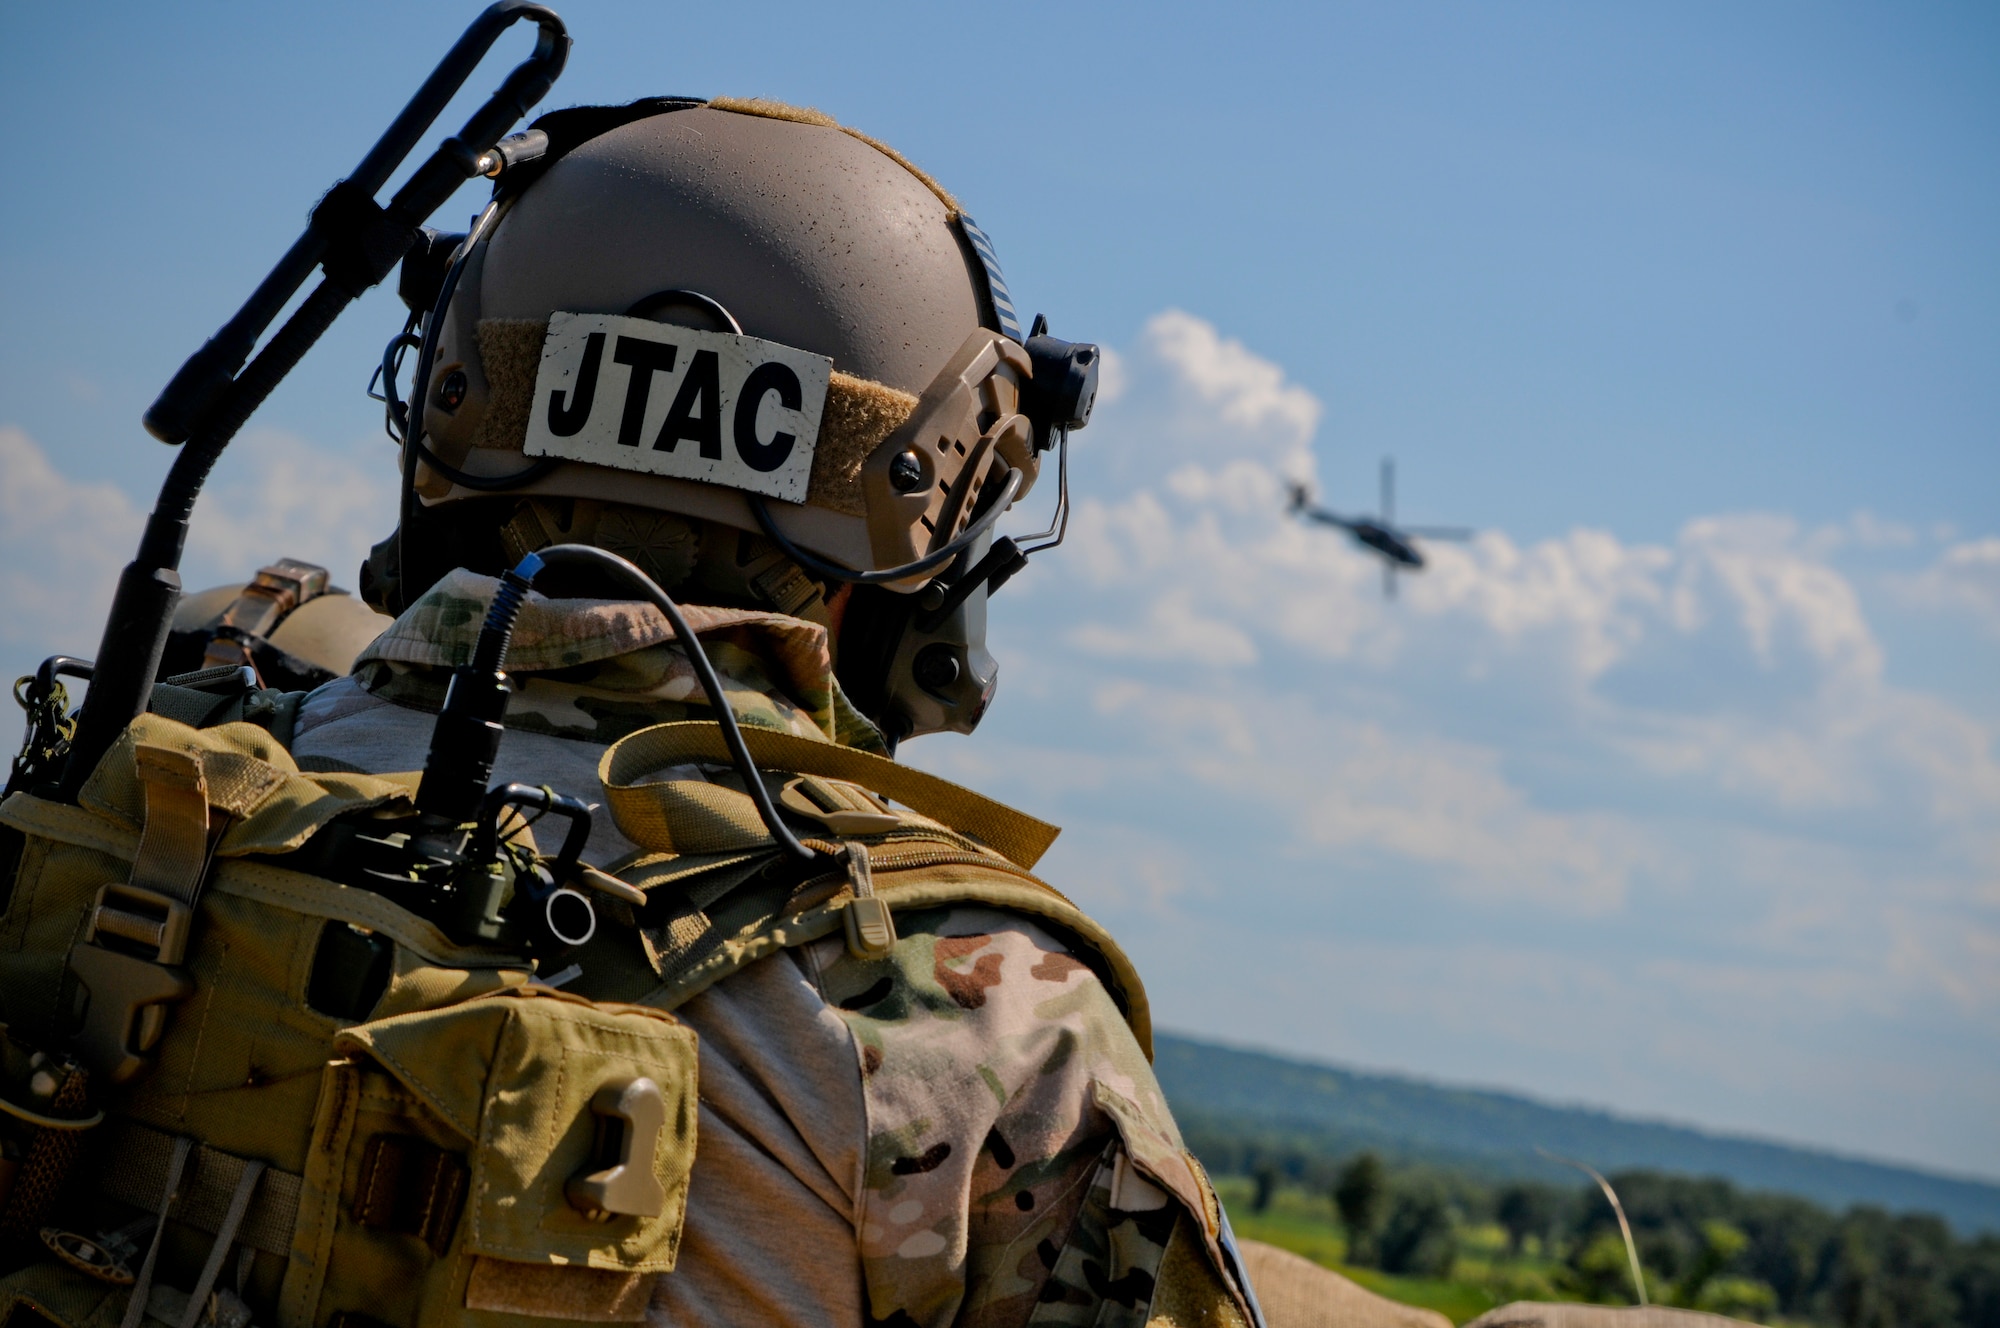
(753, 351)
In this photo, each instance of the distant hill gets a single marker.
(1324, 1111)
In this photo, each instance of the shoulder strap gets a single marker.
(721, 899)
(696, 816)
(739, 912)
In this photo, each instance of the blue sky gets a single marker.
(1675, 792)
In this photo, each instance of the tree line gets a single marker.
(1702, 1243)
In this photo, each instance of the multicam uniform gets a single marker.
(963, 1114)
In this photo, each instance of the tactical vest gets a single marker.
(354, 1121)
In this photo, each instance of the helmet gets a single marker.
(761, 272)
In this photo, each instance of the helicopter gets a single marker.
(1394, 544)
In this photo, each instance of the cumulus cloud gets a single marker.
(1682, 766)
(277, 495)
(61, 545)
(1646, 823)
(63, 540)
(1244, 390)
(1965, 579)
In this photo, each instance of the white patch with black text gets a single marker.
(709, 406)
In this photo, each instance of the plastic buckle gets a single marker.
(855, 814)
(141, 917)
(128, 993)
(288, 578)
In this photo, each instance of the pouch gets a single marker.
(443, 1181)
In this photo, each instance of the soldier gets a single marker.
(938, 1111)
(776, 367)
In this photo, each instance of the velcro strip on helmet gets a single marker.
(859, 413)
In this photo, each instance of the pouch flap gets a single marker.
(1157, 1155)
(249, 776)
(693, 816)
(1156, 1166)
(516, 1073)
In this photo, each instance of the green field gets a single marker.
(1482, 1276)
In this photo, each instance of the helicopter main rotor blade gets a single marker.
(1439, 532)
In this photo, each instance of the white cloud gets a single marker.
(1779, 593)
(1246, 391)
(1965, 578)
(1174, 628)
(1680, 774)
(1863, 530)
(1448, 805)
(63, 541)
(277, 495)
(61, 545)
(1111, 375)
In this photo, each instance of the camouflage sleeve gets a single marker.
(1009, 1110)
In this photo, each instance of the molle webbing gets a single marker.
(210, 697)
(859, 413)
(247, 775)
(133, 1169)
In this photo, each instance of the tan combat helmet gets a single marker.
(562, 363)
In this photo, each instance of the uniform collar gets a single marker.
(598, 669)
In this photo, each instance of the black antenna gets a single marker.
(214, 394)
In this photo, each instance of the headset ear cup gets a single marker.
(380, 578)
(941, 680)
(414, 558)
(913, 679)
(871, 629)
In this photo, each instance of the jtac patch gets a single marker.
(709, 406)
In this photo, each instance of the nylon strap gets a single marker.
(690, 816)
(173, 847)
(137, 1159)
(142, 1285)
(239, 1203)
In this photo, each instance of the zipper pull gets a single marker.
(871, 932)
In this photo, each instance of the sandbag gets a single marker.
(1295, 1292)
